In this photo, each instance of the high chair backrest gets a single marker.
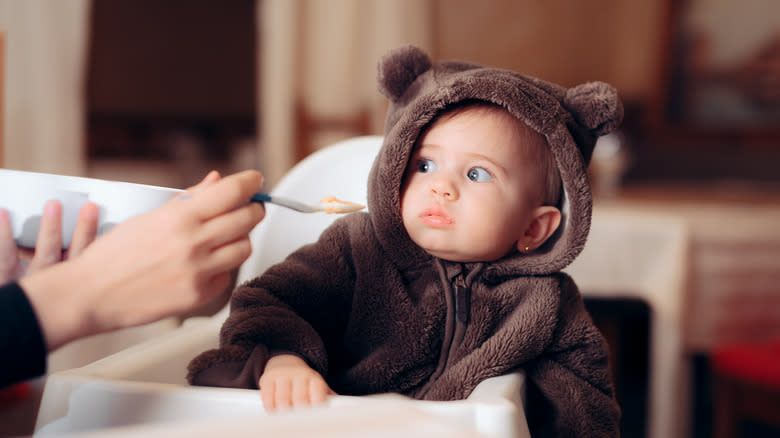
(339, 170)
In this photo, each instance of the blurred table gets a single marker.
(705, 259)
(632, 255)
(734, 274)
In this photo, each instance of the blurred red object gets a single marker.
(746, 380)
(13, 394)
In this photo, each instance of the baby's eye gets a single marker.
(478, 174)
(425, 165)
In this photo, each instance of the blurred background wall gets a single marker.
(159, 91)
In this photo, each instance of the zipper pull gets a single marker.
(462, 303)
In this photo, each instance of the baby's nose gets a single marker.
(442, 188)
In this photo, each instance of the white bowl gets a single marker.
(23, 195)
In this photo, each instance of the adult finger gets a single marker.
(224, 195)
(25, 254)
(229, 256)
(210, 178)
(232, 225)
(216, 296)
(48, 245)
(217, 285)
(9, 257)
(86, 229)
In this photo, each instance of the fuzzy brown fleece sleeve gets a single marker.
(570, 390)
(298, 306)
(229, 367)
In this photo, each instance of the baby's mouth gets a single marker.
(436, 216)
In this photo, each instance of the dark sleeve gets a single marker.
(570, 391)
(22, 347)
(300, 305)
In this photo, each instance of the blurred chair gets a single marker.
(340, 170)
(746, 387)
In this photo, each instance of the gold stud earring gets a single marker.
(526, 249)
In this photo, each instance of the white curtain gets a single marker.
(46, 47)
(324, 54)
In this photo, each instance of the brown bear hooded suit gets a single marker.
(372, 312)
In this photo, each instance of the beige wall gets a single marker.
(328, 63)
(567, 42)
(45, 52)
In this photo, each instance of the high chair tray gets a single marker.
(368, 417)
(143, 388)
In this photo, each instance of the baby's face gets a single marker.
(468, 192)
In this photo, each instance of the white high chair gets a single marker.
(144, 386)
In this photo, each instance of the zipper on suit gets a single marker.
(462, 302)
(458, 302)
(462, 299)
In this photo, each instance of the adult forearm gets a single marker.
(158, 264)
(59, 296)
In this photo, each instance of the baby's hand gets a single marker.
(288, 381)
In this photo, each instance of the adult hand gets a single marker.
(16, 262)
(158, 264)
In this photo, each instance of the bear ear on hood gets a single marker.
(399, 68)
(596, 106)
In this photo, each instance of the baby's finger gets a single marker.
(318, 391)
(267, 390)
(48, 246)
(284, 394)
(300, 393)
(86, 229)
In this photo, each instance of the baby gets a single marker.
(477, 200)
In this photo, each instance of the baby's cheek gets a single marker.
(407, 209)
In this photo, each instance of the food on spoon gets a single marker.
(335, 205)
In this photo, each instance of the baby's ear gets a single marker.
(546, 220)
(596, 106)
(399, 68)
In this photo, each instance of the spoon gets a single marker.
(328, 204)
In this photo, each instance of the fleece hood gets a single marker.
(570, 120)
